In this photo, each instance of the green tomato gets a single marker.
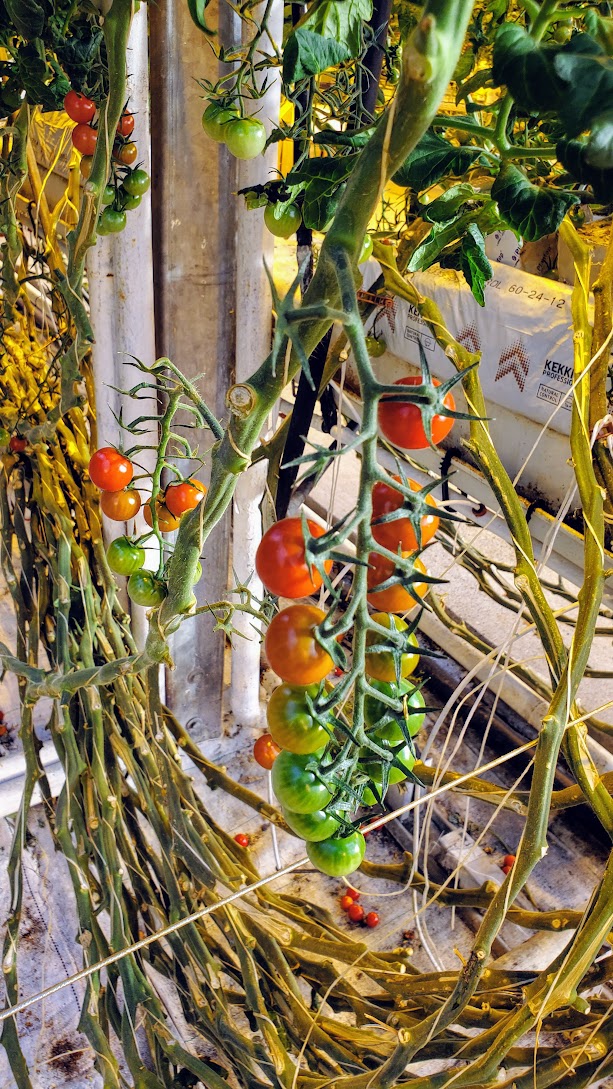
(131, 201)
(374, 768)
(366, 250)
(124, 557)
(215, 121)
(375, 346)
(290, 722)
(563, 32)
(4, 436)
(393, 75)
(296, 788)
(338, 857)
(380, 665)
(108, 195)
(137, 182)
(111, 221)
(312, 827)
(282, 220)
(145, 589)
(377, 713)
(245, 137)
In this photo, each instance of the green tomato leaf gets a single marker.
(474, 263)
(527, 69)
(588, 71)
(432, 157)
(451, 202)
(528, 209)
(599, 149)
(197, 9)
(431, 247)
(340, 20)
(27, 17)
(320, 179)
(307, 54)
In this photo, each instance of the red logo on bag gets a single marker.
(469, 338)
(515, 361)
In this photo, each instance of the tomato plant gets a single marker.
(366, 251)
(110, 470)
(124, 557)
(265, 751)
(292, 648)
(380, 664)
(338, 857)
(245, 137)
(280, 559)
(291, 723)
(84, 139)
(400, 533)
(145, 589)
(401, 422)
(311, 827)
(296, 788)
(182, 497)
(120, 506)
(79, 107)
(396, 598)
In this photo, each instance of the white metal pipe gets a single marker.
(120, 271)
(254, 245)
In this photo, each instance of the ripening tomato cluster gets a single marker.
(112, 472)
(355, 911)
(127, 186)
(245, 137)
(298, 737)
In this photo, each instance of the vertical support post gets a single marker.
(254, 245)
(194, 182)
(120, 267)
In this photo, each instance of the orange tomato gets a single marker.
(396, 599)
(166, 521)
(400, 533)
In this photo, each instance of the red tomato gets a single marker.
(184, 496)
(84, 139)
(396, 599)
(126, 125)
(400, 534)
(127, 154)
(79, 108)
(356, 913)
(17, 444)
(353, 893)
(346, 902)
(508, 860)
(372, 919)
(292, 649)
(280, 559)
(242, 839)
(166, 521)
(120, 506)
(265, 752)
(109, 470)
(506, 870)
(401, 423)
